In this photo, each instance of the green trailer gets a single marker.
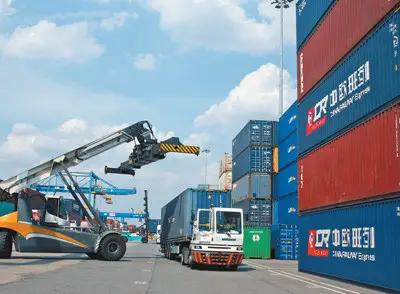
(257, 243)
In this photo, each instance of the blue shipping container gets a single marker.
(288, 122)
(286, 241)
(308, 14)
(288, 151)
(275, 212)
(287, 180)
(176, 215)
(253, 159)
(288, 210)
(366, 80)
(275, 186)
(358, 243)
(153, 223)
(255, 133)
(256, 213)
(251, 186)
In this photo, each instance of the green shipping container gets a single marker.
(257, 243)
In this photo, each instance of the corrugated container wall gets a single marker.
(362, 164)
(288, 122)
(285, 239)
(288, 151)
(287, 180)
(254, 133)
(251, 186)
(177, 214)
(253, 159)
(308, 14)
(358, 243)
(332, 39)
(354, 89)
(275, 188)
(256, 213)
(225, 181)
(288, 210)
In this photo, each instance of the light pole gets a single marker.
(281, 4)
(206, 151)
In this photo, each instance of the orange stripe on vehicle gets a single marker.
(208, 259)
(10, 221)
(230, 259)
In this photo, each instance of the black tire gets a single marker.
(125, 238)
(192, 264)
(112, 248)
(5, 244)
(145, 240)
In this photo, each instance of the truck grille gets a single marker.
(215, 258)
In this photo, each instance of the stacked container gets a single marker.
(348, 169)
(252, 153)
(225, 172)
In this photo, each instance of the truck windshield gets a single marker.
(229, 222)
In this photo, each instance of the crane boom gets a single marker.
(141, 131)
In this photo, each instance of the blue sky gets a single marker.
(198, 69)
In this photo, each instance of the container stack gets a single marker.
(225, 172)
(348, 134)
(285, 240)
(252, 153)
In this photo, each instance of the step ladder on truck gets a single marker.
(52, 233)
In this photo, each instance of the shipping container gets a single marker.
(285, 241)
(275, 212)
(153, 223)
(332, 39)
(275, 186)
(275, 164)
(288, 209)
(287, 180)
(254, 133)
(176, 215)
(308, 15)
(366, 80)
(256, 213)
(257, 243)
(252, 185)
(288, 122)
(360, 165)
(358, 243)
(225, 164)
(253, 159)
(288, 151)
(225, 181)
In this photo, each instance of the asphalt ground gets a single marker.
(145, 270)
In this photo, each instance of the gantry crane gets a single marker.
(53, 232)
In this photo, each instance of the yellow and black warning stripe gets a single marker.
(180, 148)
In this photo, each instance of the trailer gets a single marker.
(200, 227)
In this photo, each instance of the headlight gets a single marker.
(239, 248)
(197, 247)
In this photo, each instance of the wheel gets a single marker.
(185, 256)
(112, 248)
(145, 240)
(125, 238)
(5, 244)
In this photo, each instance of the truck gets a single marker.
(201, 228)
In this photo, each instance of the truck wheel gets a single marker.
(185, 256)
(5, 244)
(92, 255)
(125, 238)
(145, 240)
(112, 248)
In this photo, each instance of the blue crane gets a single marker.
(90, 184)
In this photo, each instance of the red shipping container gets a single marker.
(344, 26)
(359, 166)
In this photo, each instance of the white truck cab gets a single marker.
(217, 238)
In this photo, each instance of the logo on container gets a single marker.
(291, 148)
(291, 179)
(346, 243)
(291, 210)
(292, 119)
(350, 91)
(302, 5)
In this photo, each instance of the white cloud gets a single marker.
(47, 40)
(256, 97)
(198, 139)
(145, 62)
(222, 25)
(115, 21)
(75, 125)
(6, 8)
